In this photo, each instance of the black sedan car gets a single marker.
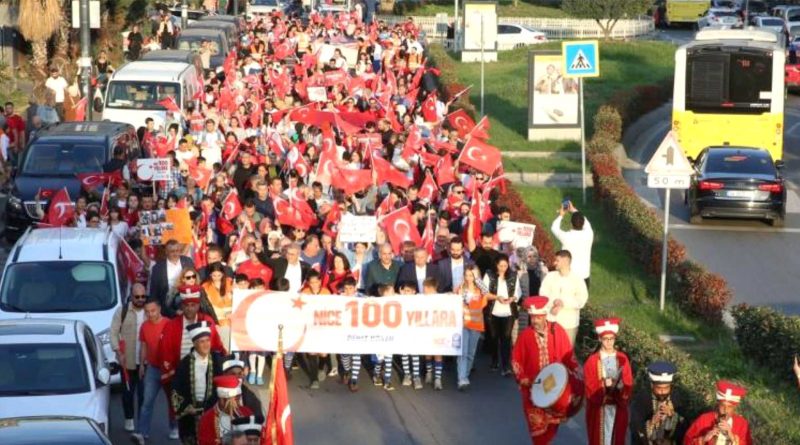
(737, 182)
(51, 430)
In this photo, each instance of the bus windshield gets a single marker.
(735, 80)
(141, 95)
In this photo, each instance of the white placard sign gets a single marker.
(153, 169)
(354, 228)
(317, 94)
(403, 324)
(518, 234)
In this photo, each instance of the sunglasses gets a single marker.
(190, 277)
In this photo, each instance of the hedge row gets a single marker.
(697, 290)
(768, 337)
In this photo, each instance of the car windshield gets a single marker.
(723, 13)
(740, 162)
(42, 369)
(141, 95)
(264, 3)
(63, 159)
(58, 286)
(771, 22)
(194, 43)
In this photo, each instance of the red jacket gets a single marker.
(208, 429)
(171, 336)
(707, 421)
(597, 396)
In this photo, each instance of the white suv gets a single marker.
(66, 273)
(52, 368)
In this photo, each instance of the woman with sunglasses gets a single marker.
(189, 277)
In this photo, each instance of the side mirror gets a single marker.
(779, 164)
(104, 376)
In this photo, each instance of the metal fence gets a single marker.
(435, 27)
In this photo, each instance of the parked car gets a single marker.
(52, 159)
(719, 18)
(737, 182)
(70, 274)
(771, 23)
(52, 368)
(510, 36)
(51, 430)
(263, 7)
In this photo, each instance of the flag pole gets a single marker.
(275, 368)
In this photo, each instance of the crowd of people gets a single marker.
(277, 146)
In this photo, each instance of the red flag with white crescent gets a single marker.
(399, 228)
(480, 155)
(61, 210)
(170, 104)
(481, 129)
(352, 181)
(91, 181)
(428, 191)
(133, 264)
(231, 207)
(386, 206)
(429, 109)
(277, 429)
(428, 237)
(444, 170)
(461, 122)
(388, 173)
(201, 175)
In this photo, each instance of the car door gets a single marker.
(102, 392)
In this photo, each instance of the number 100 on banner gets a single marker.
(403, 324)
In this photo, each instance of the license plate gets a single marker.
(749, 194)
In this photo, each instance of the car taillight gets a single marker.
(539, 37)
(710, 185)
(772, 188)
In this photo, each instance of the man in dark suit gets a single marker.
(288, 266)
(450, 273)
(165, 276)
(418, 270)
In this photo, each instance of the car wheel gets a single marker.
(777, 222)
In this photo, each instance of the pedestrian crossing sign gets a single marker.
(581, 58)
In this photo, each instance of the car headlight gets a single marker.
(104, 337)
(15, 202)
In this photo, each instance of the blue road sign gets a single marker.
(581, 58)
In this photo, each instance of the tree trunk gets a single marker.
(62, 35)
(39, 59)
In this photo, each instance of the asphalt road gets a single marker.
(758, 261)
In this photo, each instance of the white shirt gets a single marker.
(224, 423)
(295, 276)
(420, 273)
(139, 322)
(173, 274)
(186, 339)
(579, 244)
(503, 309)
(120, 229)
(457, 271)
(571, 290)
(200, 370)
(4, 141)
(58, 85)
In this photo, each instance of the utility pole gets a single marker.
(483, 63)
(235, 7)
(184, 14)
(86, 59)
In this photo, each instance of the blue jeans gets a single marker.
(469, 345)
(152, 385)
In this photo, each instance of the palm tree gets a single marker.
(38, 21)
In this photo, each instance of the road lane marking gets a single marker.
(732, 228)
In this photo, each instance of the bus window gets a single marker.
(721, 82)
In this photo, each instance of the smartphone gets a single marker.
(565, 203)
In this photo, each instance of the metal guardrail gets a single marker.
(564, 28)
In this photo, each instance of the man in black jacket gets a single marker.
(245, 169)
(450, 272)
(166, 273)
(288, 266)
(418, 270)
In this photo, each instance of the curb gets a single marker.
(548, 179)
(542, 154)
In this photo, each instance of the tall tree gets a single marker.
(606, 12)
(38, 21)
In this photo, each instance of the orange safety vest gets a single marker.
(473, 313)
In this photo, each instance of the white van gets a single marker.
(66, 273)
(134, 90)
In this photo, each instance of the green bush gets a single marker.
(767, 337)
(608, 124)
(601, 144)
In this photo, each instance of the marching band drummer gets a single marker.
(655, 417)
(540, 344)
(609, 384)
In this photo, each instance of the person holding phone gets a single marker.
(578, 240)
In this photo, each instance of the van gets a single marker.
(241, 24)
(174, 55)
(67, 274)
(192, 40)
(52, 159)
(231, 33)
(135, 90)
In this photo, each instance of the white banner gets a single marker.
(402, 324)
(317, 94)
(153, 169)
(518, 234)
(354, 228)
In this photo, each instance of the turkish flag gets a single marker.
(90, 181)
(133, 264)
(283, 49)
(386, 206)
(326, 165)
(61, 210)
(387, 172)
(305, 115)
(80, 109)
(170, 104)
(444, 171)
(289, 215)
(481, 129)
(461, 122)
(480, 155)
(299, 202)
(336, 77)
(295, 161)
(104, 201)
(329, 227)
(201, 175)
(428, 236)
(352, 181)
(413, 142)
(277, 429)
(231, 207)
(199, 252)
(400, 228)
(429, 109)
(428, 190)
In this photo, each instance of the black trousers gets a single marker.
(187, 429)
(133, 387)
(501, 340)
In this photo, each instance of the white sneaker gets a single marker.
(129, 425)
(137, 438)
(173, 433)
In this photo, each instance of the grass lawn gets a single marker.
(622, 64)
(621, 286)
(542, 165)
(504, 9)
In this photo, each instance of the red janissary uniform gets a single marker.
(740, 430)
(597, 397)
(171, 337)
(208, 431)
(527, 359)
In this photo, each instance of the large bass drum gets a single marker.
(557, 391)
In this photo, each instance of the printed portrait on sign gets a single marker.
(554, 97)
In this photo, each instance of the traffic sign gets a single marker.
(656, 181)
(669, 159)
(581, 58)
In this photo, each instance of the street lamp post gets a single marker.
(184, 14)
(86, 59)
